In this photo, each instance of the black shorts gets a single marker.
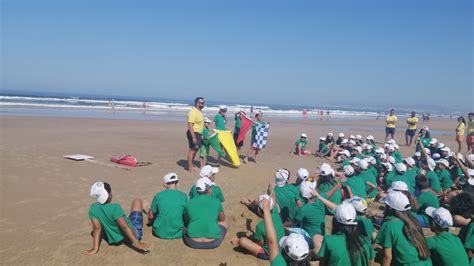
(390, 130)
(410, 132)
(190, 140)
(240, 144)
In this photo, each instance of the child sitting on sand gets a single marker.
(208, 172)
(323, 150)
(111, 218)
(300, 145)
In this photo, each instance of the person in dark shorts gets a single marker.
(391, 121)
(195, 128)
(411, 129)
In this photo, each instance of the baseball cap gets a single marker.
(302, 174)
(371, 160)
(401, 167)
(304, 135)
(436, 156)
(397, 200)
(352, 142)
(305, 189)
(391, 141)
(471, 157)
(443, 161)
(208, 171)
(359, 137)
(395, 146)
(322, 138)
(341, 135)
(344, 141)
(330, 134)
(345, 213)
(363, 164)
(345, 152)
(325, 169)
(352, 137)
(391, 159)
(370, 137)
(359, 204)
(348, 170)
(388, 166)
(355, 160)
(379, 151)
(203, 184)
(433, 141)
(390, 148)
(170, 177)
(264, 197)
(368, 147)
(207, 120)
(470, 180)
(223, 108)
(99, 193)
(295, 246)
(427, 151)
(358, 148)
(441, 145)
(281, 176)
(410, 161)
(431, 164)
(441, 216)
(398, 186)
(417, 154)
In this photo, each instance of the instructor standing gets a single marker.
(391, 121)
(195, 128)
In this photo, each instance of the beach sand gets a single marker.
(45, 198)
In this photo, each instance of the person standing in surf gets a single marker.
(252, 149)
(195, 128)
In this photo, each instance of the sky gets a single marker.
(378, 52)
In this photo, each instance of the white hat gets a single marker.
(223, 108)
(431, 164)
(264, 197)
(441, 145)
(443, 161)
(433, 141)
(417, 154)
(208, 171)
(359, 137)
(326, 169)
(363, 164)
(388, 166)
(446, 149)
(391, 141)
(370, 137)
(304, 135)
(436, 156)
(170, 177)
(207, 120)
(358, 148)
(345, 213)
(398, 186)
(426, 128)
(99, 193)
(352, 142)
(427, 151)
(281, 176)
(352, 137)
(368, 147)
(302, 174)
(330, 134)
(344, 141)
(355, 160)
(471, 157)
(348, 170)
(203, 184)
(371, 160)
(295, 246)
(322, 138)
(305, 189)
(346, 153)
(379, 151)
(470, 180)
(397, 200)
(391, 159)
(359, 204)
(401, 167)
(441, 216)
(341, 135)
(383, 156)
(410, 161)
(395, 146)
(390, 148)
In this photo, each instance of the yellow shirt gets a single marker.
(460, 129)
(391, 118)
(196, 117)
(470, 128)
(412, 120)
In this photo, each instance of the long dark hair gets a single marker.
(462, 120)
(412, 231)
(354, 241)
(463, 204)
(291, 262)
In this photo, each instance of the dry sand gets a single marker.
(45, 198)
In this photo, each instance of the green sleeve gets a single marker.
(324, 251)
(299, 216)
(192, 192)
(431, 242)
(221, 209)
(118, 213)
(384, 237)
(469, 241)
(154, 205)
(219, 194)
(259, 231)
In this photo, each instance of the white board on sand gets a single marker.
(87, 158)
(78, 157)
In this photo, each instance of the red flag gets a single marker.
(244, 127)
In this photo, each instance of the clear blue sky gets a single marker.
(286, 52)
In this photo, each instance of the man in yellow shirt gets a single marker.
(470, 133)
(195, 128)
(411, 129)
(391, 120)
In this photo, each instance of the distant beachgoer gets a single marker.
(470, 133)
(194, 132)
(460, 132)
(300, 145)
(391, 121)
(110, 217)
(411, 130)
(238, 124)
(252, 149)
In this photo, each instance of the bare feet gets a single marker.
(146, 206)
(245, 201)
(235, 242)
(246, 160)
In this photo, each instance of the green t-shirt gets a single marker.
(467, 236)
(254, 127)
(369, 176)
(445, 179)
(302, 143)
(205, 134)
(216, 193)
(323, 148)
(388, 178)
(203, 213)
(238, 123)
(107, 215)
(335, 252)
(286, 197)
(336, 198)
(397, 156)
(219, 121)
(260, 233)
(312, 217)
(168, 208)
(404, 178)
(278, 261)
(357, 185)
(411, 177)
(367, 225)
(391, 236)
(434, 181)
(447, 249)
(344, 163)
(426, 199)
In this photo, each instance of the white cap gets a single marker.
(443, 161)
(388, 166)
(348, 170)
(368, 147)
(391, 141)
(345, 213)
(330, 134)
(99, 193)
(207, 120)
(281, 176)
(344, 141)
(203, 184)
(363, 164)
(359, 137)
(370, 137)
(371, 160)
(470, 180)
(410, 161)
(383, 156)
(264, 197)
(426, 128)
(341, 135)
(208, 171)
(401, 167)
(379, 151)
(322, 138)
(398, 186)
(358, 148)
(441, 145)
(170, 177)
(471, 157)
(427, 151)
(417, 154)
(395, 146)
(436, 156)
(397, 200)
(326, 169)
(304, 135)
(355, 161)
(431, 164)
(390, 148)
(222, 107)
(302, 174)
(352, 142)
(305, 189)
(433, 141)
(441, 216)
(359, 204)
(346, 153)
(445, 149)
(352, 137)
(391, 159)
(295, 246)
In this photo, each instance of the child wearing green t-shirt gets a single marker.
(300, 145)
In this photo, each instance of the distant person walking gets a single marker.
(391, 121)
(195, 128)
(411, 129)
(470, 132)
(460, 132)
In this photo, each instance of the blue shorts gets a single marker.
(136, 218)
(410, 132)
(390, 130)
